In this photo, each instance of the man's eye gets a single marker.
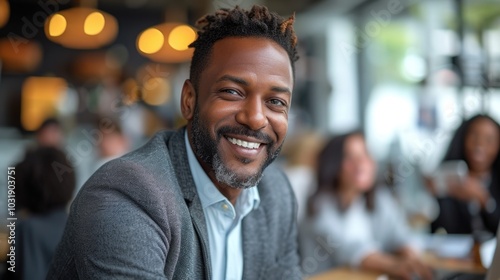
(230, 91)
(277, 102)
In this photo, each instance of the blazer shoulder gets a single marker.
(142, 174)
(275, 191)
(274, 180)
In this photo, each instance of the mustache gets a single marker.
(241, 130)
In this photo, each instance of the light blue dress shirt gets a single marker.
(223, 221)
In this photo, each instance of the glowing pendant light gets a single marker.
(81, 28)
(167, 42)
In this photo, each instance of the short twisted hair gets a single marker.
(236, 22)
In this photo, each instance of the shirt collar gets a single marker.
(208, 192)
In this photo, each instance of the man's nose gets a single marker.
(252, 114)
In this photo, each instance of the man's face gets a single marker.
(239, 117)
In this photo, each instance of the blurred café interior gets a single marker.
(417, 81)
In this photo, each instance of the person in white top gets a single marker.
(352, 223)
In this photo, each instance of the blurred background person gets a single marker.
(50, 134)
(471, 203)
(361, 223)
(109, 141)
(44, 186)
(114, 144)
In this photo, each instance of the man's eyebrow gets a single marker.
(281, 90)
(232, 79)
(243, 82)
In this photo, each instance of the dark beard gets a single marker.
(206, 149)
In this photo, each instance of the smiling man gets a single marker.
(203, 202)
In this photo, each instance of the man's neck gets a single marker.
(230, 193)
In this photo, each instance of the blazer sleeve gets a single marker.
(114, 233)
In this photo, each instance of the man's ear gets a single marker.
(188, 100)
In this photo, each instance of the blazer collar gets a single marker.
(178, 154)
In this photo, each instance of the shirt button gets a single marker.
(225, 207)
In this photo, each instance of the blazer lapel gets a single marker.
(178, 154)
(254, 244)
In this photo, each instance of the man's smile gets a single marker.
(243, 143)
(243, 148)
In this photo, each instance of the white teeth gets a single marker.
(245, 144)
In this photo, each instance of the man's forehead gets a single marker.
(242, 53)
(249, 43)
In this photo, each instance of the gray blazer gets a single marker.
(139, 217)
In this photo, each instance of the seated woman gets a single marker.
(357, 224)
(472, 204)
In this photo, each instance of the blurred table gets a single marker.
(346, 273)
(455, 265)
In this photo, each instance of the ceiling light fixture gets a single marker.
(167, 42)
(81, 28)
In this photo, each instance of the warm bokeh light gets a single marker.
(39, 100)
(167, 42)
(94, 23)
(57, 25)
(4, 12)
(130, 91)
(156, 91)
(22, 58)
(150, 41)
(81, 28)
(94, 66)
(181, 36)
